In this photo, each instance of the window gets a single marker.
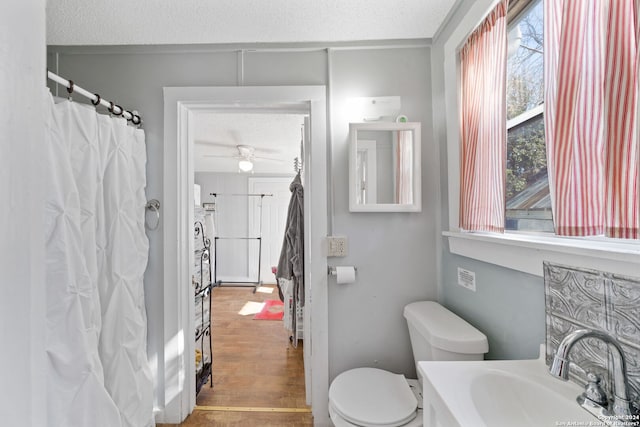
(528, 204)
(523, 252)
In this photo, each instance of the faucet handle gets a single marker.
(594, 392)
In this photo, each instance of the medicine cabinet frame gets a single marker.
(356, 184)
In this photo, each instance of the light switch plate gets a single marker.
(336, 246)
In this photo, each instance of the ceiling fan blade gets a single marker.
(232, 146)
(229, 145)
(269, 150)
(269, 159)
(221, 156)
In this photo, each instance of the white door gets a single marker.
(274, 219)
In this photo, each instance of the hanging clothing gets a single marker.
(95, 256)
(291, 263)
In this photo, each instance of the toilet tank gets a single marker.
(438, 334)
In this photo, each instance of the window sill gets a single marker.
(527, 252)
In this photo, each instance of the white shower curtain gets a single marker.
(96, 254)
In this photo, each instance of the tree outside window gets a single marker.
(528, 205)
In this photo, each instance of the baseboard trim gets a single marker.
(250, 409)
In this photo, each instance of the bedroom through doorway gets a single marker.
(255, 360)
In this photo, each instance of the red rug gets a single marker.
(272, 310)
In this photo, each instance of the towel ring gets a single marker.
(154, 205)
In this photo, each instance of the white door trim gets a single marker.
(179, 102)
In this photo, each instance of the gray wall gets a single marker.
(508, 306)
(395, 253)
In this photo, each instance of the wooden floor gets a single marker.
(258, 377)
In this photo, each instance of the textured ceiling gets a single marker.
(141, 22)
(275, 137)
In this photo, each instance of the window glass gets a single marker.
(528, 205)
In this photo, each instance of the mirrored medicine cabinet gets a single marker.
(384, 167)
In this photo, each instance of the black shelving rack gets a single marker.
(202, 293)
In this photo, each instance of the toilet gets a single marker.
(367, 397)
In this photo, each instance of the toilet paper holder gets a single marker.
(332, 270)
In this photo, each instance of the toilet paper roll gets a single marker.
(345, 274)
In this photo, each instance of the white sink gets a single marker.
(499, 393)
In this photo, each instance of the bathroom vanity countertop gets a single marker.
(499, 393)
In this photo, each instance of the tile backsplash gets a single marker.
(578, 298)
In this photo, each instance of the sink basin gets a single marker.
(499, 393)
(529, 402)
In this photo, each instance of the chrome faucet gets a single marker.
(560, 367)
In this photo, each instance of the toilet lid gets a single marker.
(373, 397)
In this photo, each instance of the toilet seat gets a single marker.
(372, 397)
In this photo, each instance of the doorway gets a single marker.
(254, 366)
(244, 165)
(180, 104)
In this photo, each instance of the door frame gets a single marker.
(180, 103)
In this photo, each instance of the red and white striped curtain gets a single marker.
(483, 67)
(404, 167)
(591, 63)
(637, 19)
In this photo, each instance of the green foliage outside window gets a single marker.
(526, 156)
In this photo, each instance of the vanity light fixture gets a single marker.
(373, 109)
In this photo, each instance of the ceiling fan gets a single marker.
(246, 157)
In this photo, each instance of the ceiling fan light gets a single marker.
(245, 165)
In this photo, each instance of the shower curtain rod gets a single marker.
(96, 99)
